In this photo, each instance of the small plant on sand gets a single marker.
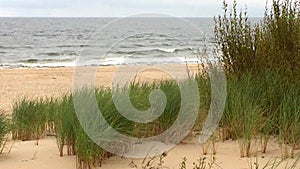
(274, 164)
(202, 163)
(210, 145)
(155, 162)
(4, 129)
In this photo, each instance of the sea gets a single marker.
(66, 42)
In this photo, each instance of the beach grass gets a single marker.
(65, 122)
(4, 129)
(289, 121)
(29, 119)
(243, 114)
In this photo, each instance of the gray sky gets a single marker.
(116, 8)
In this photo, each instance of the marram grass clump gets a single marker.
(29, 119)
(4, 129)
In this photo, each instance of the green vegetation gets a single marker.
(4, 129)
(202, 163)
(271, 45)
(65, 122)
(262, 64)
(289, 120)
(243, 115)
(29, 119)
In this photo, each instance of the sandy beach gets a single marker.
(53, 82)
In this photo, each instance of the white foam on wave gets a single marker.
(167, 50)
(108, 61)
(38, 65)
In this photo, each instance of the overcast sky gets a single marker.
(120, 8)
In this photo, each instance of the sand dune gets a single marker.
(44, 82)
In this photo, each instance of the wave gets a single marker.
(16, 47)
(166, 50)
(145, 61)
(51, 63)
(46, 60)
(72, 46)
(39, 63)
(36, 65)
(139, 45)
(130, 52)
(152, 51)
(71, 53)
(51, 53)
